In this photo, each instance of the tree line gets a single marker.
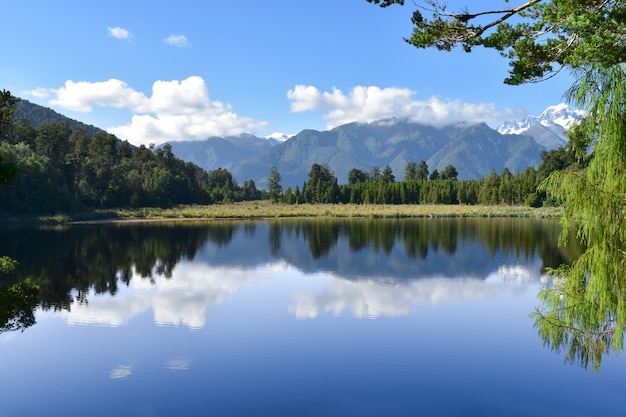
(59, 169)
(421, 186)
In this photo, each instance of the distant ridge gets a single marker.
(473, 149)
(38, 115)
(221, 152)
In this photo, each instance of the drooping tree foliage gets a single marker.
(585, 314)
(593, 296)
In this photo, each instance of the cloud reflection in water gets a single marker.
(375, 298)
(186, 298)
(180, 364)
(121, 372)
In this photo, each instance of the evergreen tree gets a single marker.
(422, 171)
(387, 176)
(356, 175)
(8, 172)
(375, 174)
(449, 173)
(410, 172)
(274, 188)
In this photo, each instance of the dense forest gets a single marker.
(60, 169)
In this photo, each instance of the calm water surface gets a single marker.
(294, 318)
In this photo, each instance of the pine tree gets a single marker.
(274, 188)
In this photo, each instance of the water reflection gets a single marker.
(183, 298)
(70, 263)
(227, 318)
(109, 274)
(584, 329)
(372, 299)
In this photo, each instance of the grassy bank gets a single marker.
(266, 209)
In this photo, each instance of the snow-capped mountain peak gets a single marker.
(549, 129)
(560, 115)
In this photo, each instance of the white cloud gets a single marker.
(367, 104)
(39, 92)
(82, 96)
(177, 40)
(118, 32)
(176, 110)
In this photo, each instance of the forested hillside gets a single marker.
(38, 115)
(61, 170)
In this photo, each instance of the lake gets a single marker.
(421, 317)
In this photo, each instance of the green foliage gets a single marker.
(449, 173)
(592, 299)
(322, 185)
(7, 264)
(445, 188)
(422, 171)
(356, 175)
(274, 188)
(61, 170)
(538, 37)
(8, 172)
(17, 305)
(7, 108)
(587, 309)
(18, 301)
(387, 175)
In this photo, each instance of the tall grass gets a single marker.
(266, 209)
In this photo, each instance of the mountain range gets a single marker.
(549, 129)
(473, 149)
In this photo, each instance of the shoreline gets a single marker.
(263, 210)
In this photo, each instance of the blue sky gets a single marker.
(187, 70)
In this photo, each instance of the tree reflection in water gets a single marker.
(585, 325)
(68, 264)
(572, 325)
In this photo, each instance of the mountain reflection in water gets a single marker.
(179, 270)
(292, 317)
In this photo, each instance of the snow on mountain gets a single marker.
(560, 115)
(278, 136)
(549, 129)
